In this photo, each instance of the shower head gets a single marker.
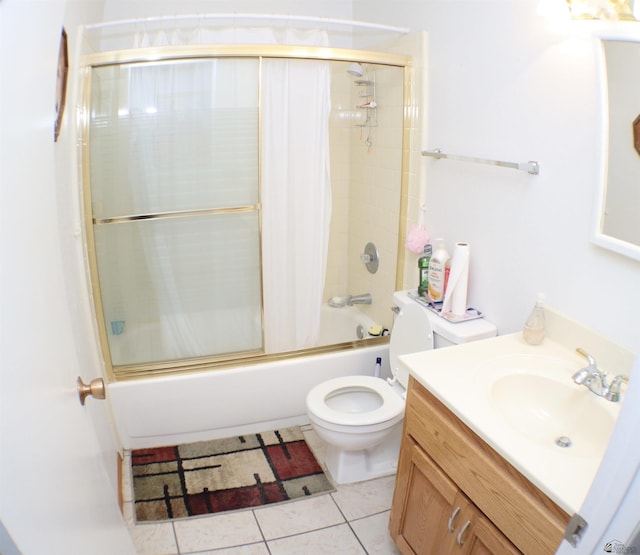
(356, 70)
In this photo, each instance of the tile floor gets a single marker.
(352, 520)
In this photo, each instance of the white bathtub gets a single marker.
(341, 324)
(208, 405)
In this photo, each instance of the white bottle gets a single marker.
(533, 331)
(438, 271)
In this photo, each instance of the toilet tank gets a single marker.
(445, 333)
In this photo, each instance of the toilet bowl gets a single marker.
(360, 417)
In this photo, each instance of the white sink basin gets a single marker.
(554, 414)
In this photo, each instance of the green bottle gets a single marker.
(423, 271)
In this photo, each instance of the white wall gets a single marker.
(502, 85)
(126, 9)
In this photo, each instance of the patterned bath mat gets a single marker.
(224, 475)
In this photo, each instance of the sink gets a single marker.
(553, 413)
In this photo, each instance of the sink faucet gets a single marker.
(596, 380)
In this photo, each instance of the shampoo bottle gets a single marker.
(533, 331)
(423, 271)
(437, 271)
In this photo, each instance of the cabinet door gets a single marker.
(423, 505)
(431, 516)
(483, 538)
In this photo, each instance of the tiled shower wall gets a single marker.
(366, 165)
(341, 123)
(376, 173)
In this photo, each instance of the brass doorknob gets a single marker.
(95, 388)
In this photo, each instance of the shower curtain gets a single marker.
(296, 200)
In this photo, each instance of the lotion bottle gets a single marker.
(438, 271)
(533, 331)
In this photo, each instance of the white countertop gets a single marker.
(462, 377)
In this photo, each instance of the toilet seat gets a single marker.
(411, 333)
(392, 405)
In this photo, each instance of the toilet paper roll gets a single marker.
(455, 298)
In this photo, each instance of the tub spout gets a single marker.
(365, 298)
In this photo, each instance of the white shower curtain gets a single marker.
(296, 199)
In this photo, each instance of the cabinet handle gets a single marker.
(462, 531)
(454, 514)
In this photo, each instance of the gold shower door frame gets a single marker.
(259, 52)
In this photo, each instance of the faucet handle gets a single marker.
(613, 393)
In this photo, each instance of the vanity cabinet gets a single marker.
(455, 495)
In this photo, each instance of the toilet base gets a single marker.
(346, 467)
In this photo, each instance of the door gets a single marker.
(56, 494)
(423, 518)
(431, 516)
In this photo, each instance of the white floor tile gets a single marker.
(213, 532)
(154, 539)
(365, 498)
(373, 533)
(251, 549)
(329, 541)
(298, 516)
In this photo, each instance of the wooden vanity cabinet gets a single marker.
(455, 495)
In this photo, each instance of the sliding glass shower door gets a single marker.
(175, 205)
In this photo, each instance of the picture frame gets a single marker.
(61, 82)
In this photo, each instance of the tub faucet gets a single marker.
(596, 380)
(365, 298)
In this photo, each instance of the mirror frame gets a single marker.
(631, 33)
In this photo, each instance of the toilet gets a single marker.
(360, 417)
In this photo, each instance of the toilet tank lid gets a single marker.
(458, 332)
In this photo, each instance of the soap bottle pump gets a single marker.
(533, 331)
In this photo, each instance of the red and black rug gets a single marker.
(224, 475)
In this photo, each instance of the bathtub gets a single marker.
(342, 324)
(167, 410)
